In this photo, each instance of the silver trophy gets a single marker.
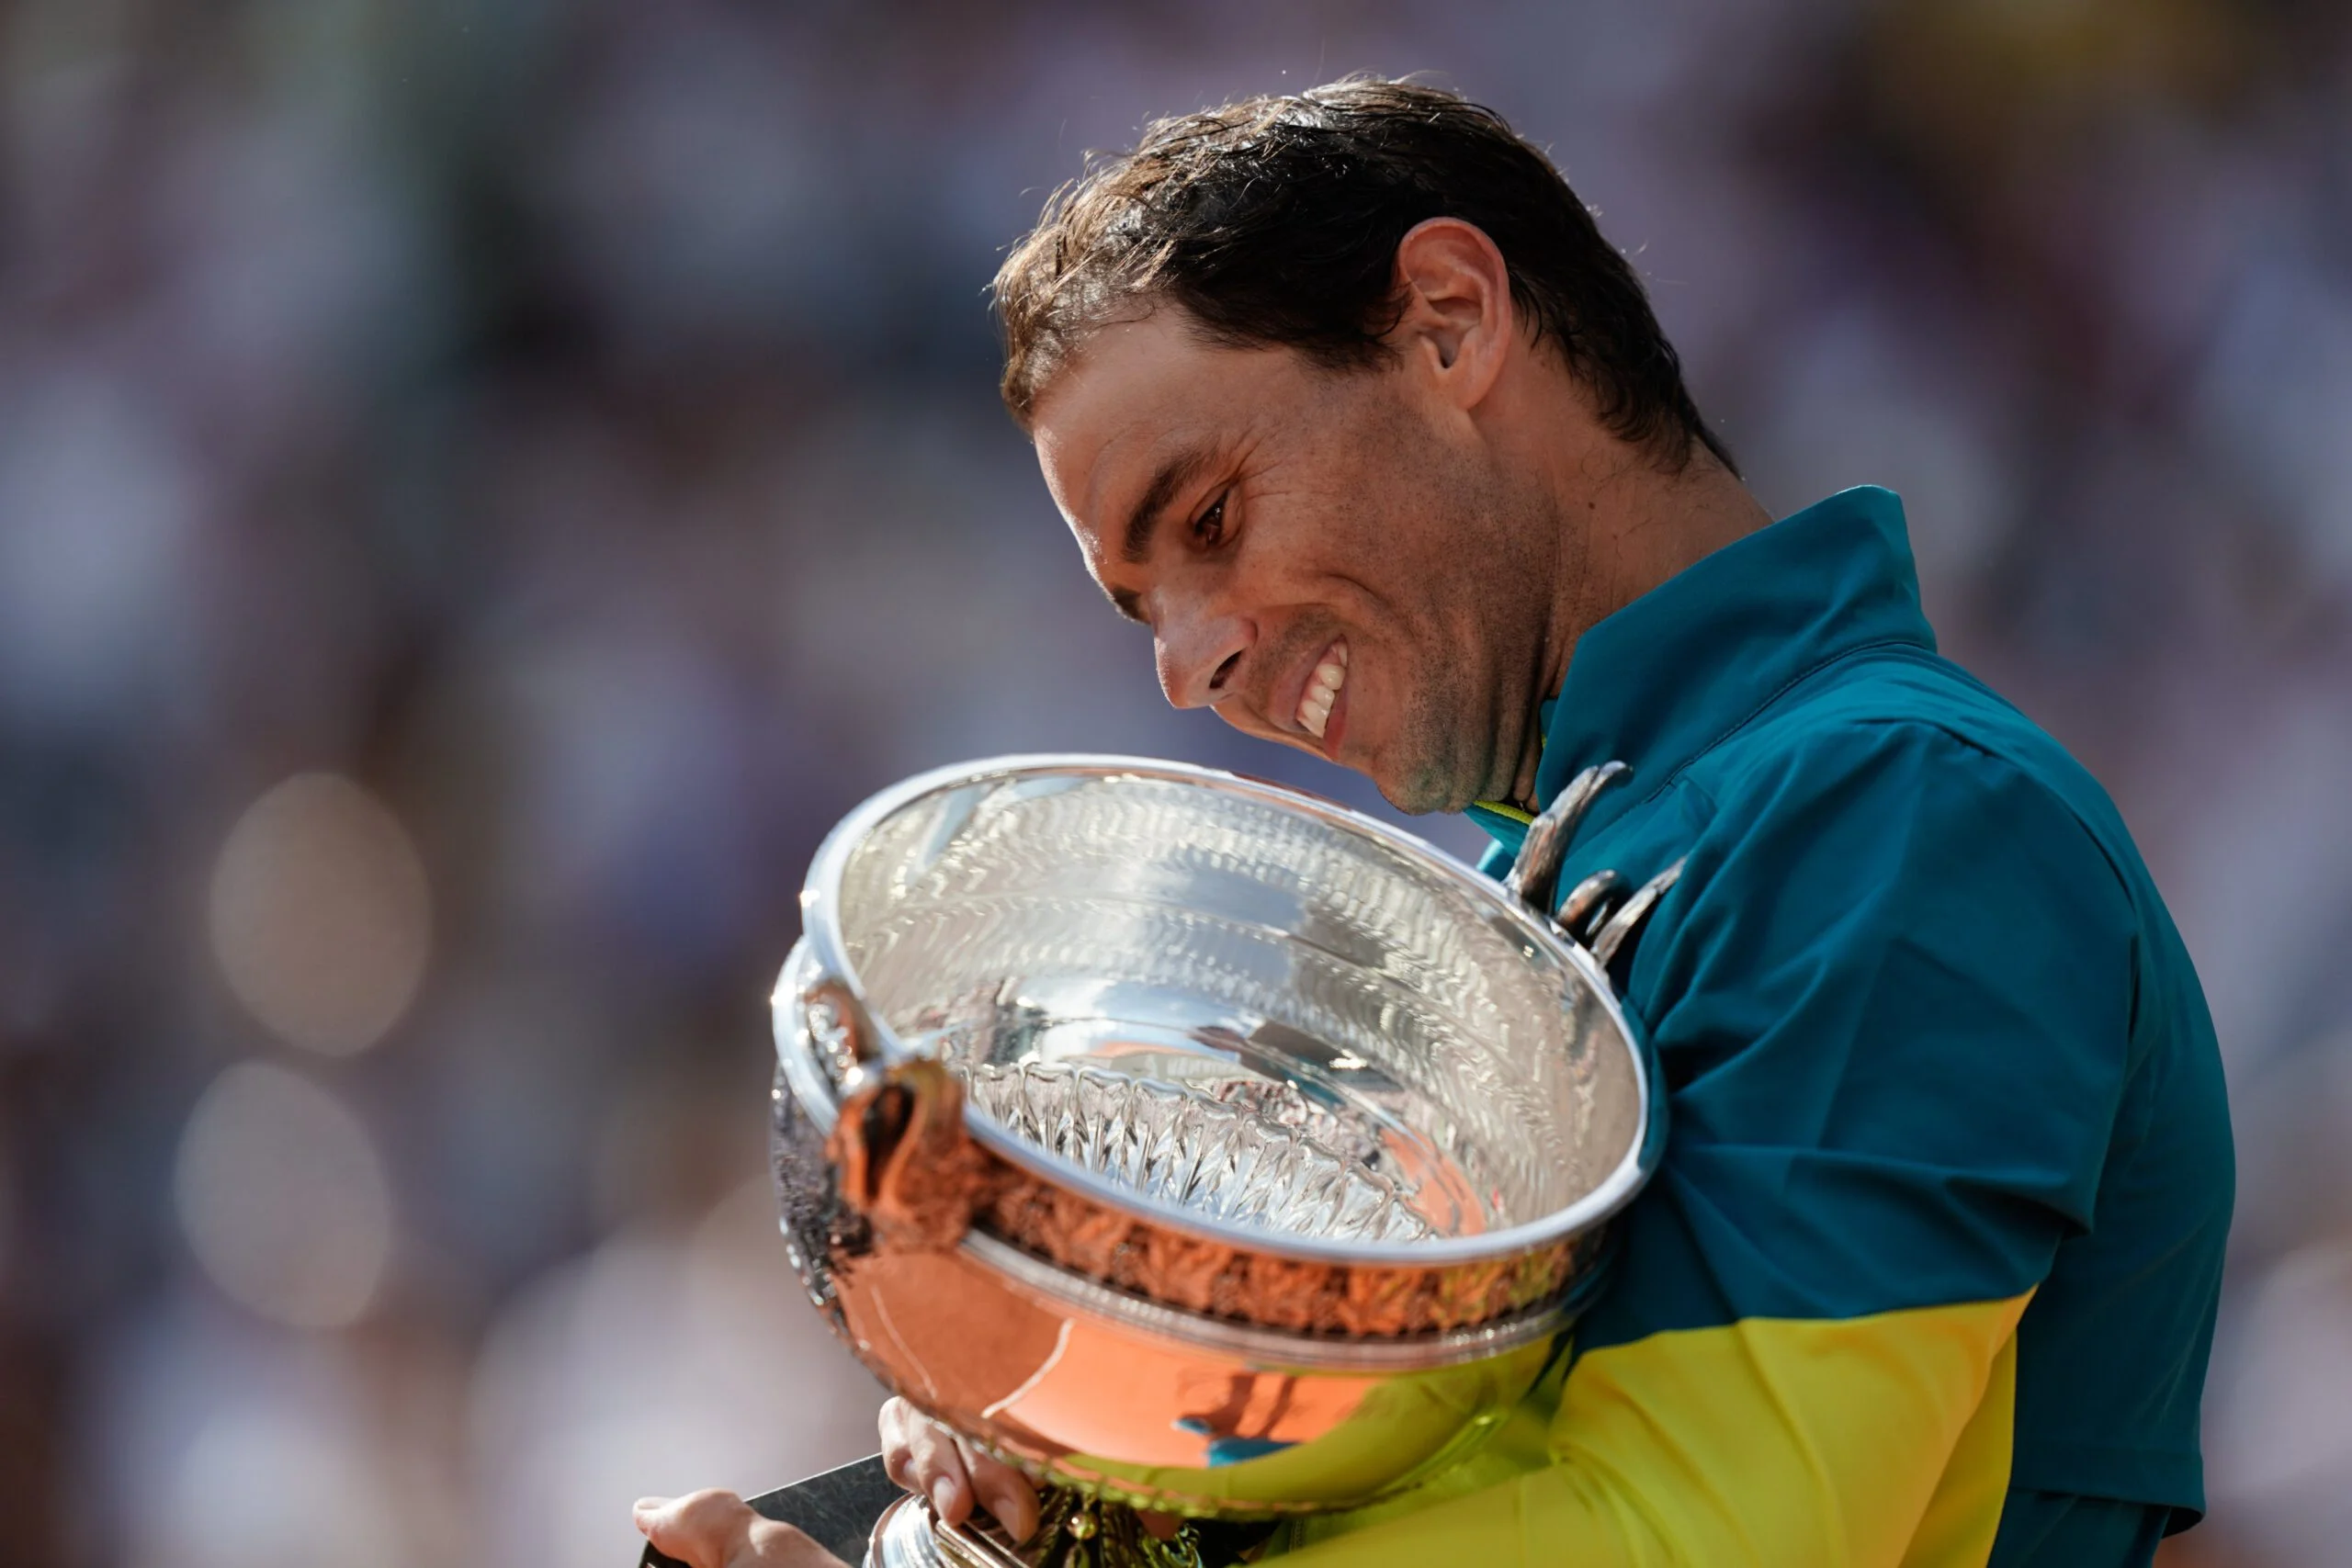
(1193, 1144)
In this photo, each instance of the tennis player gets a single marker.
(1346, 399)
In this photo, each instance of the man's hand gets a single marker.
(717, 1530)
(926, 1458)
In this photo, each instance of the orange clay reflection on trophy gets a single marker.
(968, 1344)
(1171, 1266)
(1439, 1193)
(905, 1164)
(1052, 1386)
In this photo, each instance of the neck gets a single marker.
(1626, 527)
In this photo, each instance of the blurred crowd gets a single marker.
(484, 487)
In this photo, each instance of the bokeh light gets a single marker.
(321, 1489)
(283, 1198)
(321, 915)
(670, 1358)
(2282, 1416)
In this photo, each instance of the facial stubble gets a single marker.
(1475, 661)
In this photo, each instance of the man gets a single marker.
(1345, 397)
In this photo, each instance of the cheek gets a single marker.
(1360, 528)
(1403, 504)
(1398, 556)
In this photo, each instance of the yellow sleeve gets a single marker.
(1869, 1442)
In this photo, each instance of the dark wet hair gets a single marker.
(1276, 221)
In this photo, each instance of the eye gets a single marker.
(1208, 529)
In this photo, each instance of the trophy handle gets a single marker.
(1599, 915)
(903, 1160)
(1537, 867)
(1588, 904)
(1622, 925)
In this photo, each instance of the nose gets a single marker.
(1200, 657)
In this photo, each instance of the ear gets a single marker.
(1458, 323)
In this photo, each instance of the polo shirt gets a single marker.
(1927, 1274)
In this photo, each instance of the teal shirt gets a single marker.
(1928, 1033)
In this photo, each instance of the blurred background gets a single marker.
(484, 487)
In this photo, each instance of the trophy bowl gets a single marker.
(1188, 1141)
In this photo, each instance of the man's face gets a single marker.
(1331, 559)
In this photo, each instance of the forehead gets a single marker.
(1136, 395)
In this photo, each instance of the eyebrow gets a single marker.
(1135, 547)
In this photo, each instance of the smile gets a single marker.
(1323, 689)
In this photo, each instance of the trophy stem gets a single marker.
(1074, 1530)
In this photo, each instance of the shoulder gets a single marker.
(1844, 836)
(1913, 745)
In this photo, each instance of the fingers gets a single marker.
(704, 1528)
(924, 1457)
(937, 1465)
(718, 1530)
(898, 1423)
(1004, 1491)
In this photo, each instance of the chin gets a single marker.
(1416, 797)
(1426, 785)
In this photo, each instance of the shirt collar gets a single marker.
(1671, 673)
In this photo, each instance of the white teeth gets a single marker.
(1322, 691)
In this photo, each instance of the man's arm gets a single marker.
(1893, 997)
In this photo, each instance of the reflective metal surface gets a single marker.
(1188, 1139)
(1072, 1532)
(907, 1537)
